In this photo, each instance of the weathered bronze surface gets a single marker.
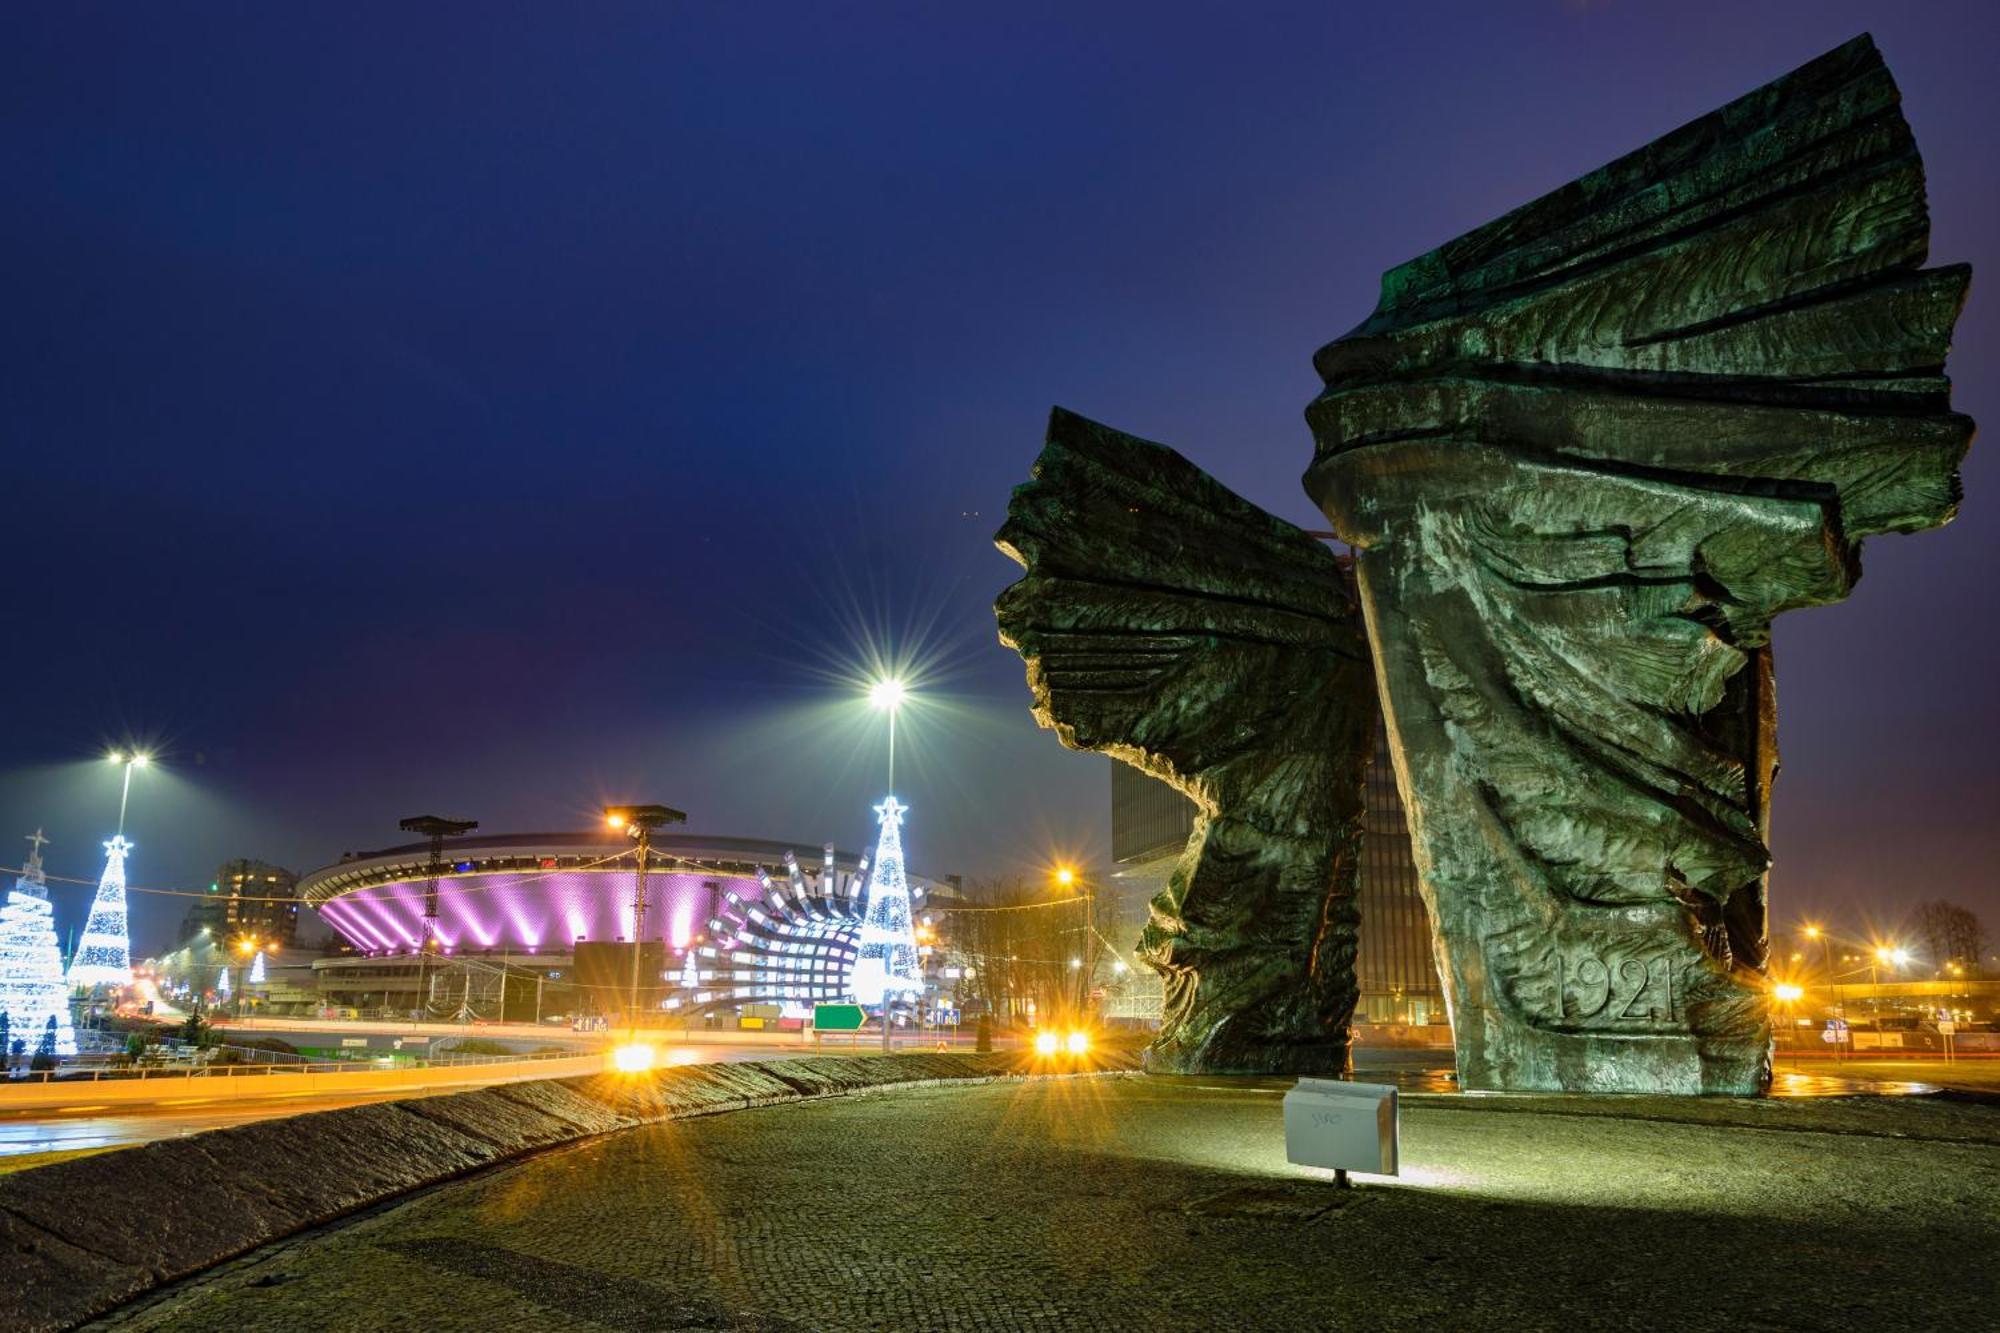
(1173, 626)
(1587, 452)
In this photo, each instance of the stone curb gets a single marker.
(85, 1236)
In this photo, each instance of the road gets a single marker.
(31, 1137)
(88, 1127)
(1154, 1204)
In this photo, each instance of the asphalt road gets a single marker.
(87, 1126)
(1118, 1203)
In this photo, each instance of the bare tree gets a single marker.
(1951, 933)
(1030, 950)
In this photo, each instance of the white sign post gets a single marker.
(1342, 1126)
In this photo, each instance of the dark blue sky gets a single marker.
(492, 410)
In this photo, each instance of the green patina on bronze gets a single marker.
(1587, 453)
(1170, 624)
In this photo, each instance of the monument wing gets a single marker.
(1588, 452)
(1174, 626)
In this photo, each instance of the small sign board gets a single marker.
(1342, 1126)
(839, 1017)
(354, 1041)
(1947, 1028)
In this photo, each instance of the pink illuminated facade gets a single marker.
(541, 893)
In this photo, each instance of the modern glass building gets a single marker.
(1150, 823)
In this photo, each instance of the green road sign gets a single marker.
(839, 1017)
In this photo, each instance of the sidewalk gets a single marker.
(1152, 1204)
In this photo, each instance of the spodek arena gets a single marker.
(531, 926)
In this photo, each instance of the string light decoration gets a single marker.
(32, 990)
(886, 963)
(793, 943)
(257, 969)
(104, 955)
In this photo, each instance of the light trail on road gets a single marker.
(87, 1125)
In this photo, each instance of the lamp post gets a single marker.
(1085, 964)
(437, 830)
(639, 821)
(246, 946)
(1886, 955)
(129, 759)
(888, 695)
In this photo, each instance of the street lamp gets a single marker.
(129, 760)
(888, 694)
(1065, 877)
(244, 945)
(436, 829)
(639, 821)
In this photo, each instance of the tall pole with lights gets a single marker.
(128, 760)
(104, 955)
(888, 695)
(436, 830)
(640, 821)
(1085, 963)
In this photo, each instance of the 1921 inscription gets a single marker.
(1630, 989)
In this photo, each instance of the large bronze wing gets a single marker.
(1170, 624)
(1588, 451)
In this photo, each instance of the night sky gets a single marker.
(492, 411)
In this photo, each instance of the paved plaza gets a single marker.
(1125, 1202)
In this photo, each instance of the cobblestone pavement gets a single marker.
(1153, 1204)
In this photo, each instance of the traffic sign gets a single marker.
(839, 1017)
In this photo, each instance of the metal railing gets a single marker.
(361, 1065)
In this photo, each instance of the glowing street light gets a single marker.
(1065, 876)
(640, 821)
(888, 695)
(1787, 993)
(129, 760)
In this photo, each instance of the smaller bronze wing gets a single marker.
(1171, 624)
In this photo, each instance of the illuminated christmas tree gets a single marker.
(104, 956)
(885, 964)
(222, 984)
(32, 990)
(257, 969)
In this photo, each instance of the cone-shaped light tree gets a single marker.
(32, 990)
(886, 963)
(104, 955)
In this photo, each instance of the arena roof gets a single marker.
(500, 853)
